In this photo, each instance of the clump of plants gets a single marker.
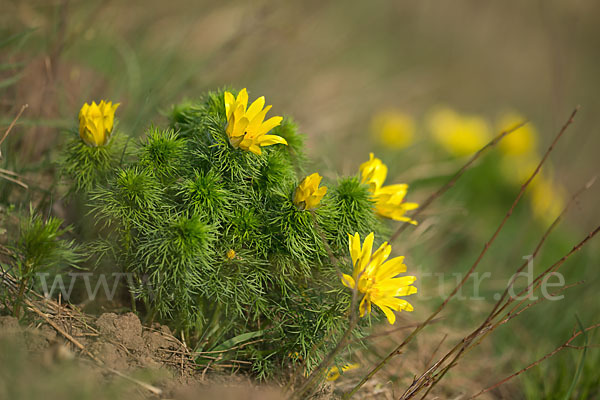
(229, 240)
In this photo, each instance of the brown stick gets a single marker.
(13, 180)
(487, 245)
(559, 348)
(485, 328)
(497, 309)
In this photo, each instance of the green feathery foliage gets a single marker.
(40, 247)
(216, 244)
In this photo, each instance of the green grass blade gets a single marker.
(581, 361)
(10, 81)
(244, 337)
(12, 38)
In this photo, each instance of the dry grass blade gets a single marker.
(12, 124)
(6, 174)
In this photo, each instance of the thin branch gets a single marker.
(398, 349)
(436, 349)
(538, 280)
(466, 345)
(559, 348)
(497, 309)
(462, 346)
(485, 328)
(13, 180)
(11, 283)
(390, 331)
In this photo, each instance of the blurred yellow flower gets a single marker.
(96, 122)
(377, 278)
(246, 126)
(517, 169)
(460, 135)
(333, 373)
(389, 200)
(547, 199)
(520, 142)
(308, 194)
(231, 254)
(393, 129)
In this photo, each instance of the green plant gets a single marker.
(39, 247)
(217, 245)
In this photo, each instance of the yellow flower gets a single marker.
(333, 373)
(520, 142)
(308, 194)
(373, 173)
(389, 200)
(231, 254)
(459, 135)
(377, 278)
(96, 122)
(246, 126)
(393, 129)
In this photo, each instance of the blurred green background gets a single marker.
(335, 67)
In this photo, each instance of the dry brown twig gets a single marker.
(6, 174)
(12, 124)
(565, 345)
(487, 327)
(398, 350)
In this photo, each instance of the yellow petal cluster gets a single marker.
(308, 194)
(96, 122)
(333, 373)
(460, 135)
(378, 278)
(246, 126)
(395, 130)
(389, 200)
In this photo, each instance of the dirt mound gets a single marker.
(118, 355)
(124, 344)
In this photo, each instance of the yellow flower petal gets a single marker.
(269, 124)
(268, 140)
(256, 107)
(308, 195)
(348, 281)
(242, 98)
